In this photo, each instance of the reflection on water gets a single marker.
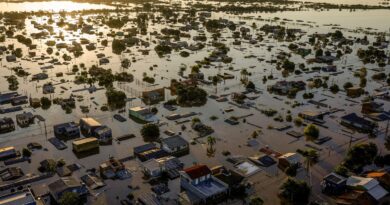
(54, 6)
(349, 2)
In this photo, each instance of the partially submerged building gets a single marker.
(155, 167)
(143, 114)
(175, 146)
(359, 123)
(288, 159)
(85, 144)
(91, 128)
(25, 119)
(111, 168)
(6, 125)
(23, 197)
(334, 184)
(153, 96)
(199, 186)
(64, 185)
(67, 130)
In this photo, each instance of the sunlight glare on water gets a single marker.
(54, 6)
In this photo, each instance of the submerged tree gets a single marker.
(150, 132)
(294, 192)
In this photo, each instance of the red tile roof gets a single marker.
(197, 171)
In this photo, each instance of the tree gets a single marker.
(116, 99)
(360, 155)
(347, 85)
(150, 132)
(294, 192)
(69, 198)
(292, 170)
(211, 141)
(244, 75)
(26, 152)
(46, 103)
(256, 201)
(191, 96)
(298, 121)
(311, 157)
(341, 170)
(118, 46)
(319, 52)
(311, 131)
(334, 88)
(250, 86)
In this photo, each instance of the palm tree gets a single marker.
(311, 157)
(215, 83)
(211, 150)
(244, 75)
(211, 141)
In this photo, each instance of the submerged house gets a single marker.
(24, 197)
(359, 123)
(67, 130)
(199, 186)
(48, 88)
(285, 87)
(143, 114)
(6, 125)
(7, 152)
(354, 91)
(175, 146)
(64, 185)
(372, 107)
(103, 134)
(334, 184)
(111, 168)
(7, 97)
(370, 185)
(148, 151)
(153, 96)
(25, 119)
(155, 167)
(91, 128)
(288, 159)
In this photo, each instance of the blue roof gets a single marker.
(356, 119)
(24, 197)
(143, 148)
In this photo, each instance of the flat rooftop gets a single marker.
(17, 198)
(211, 187)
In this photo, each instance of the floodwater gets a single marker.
(349, 2)
(52, 6)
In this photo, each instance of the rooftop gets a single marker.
(211, 187)
(84, 140)
(197, 171)
(17, 198)
(90, 122)
(335, 178)
(5, 149)
(174, 141)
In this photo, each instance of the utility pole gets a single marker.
(387, 128)
(350, 141)
(44, 122)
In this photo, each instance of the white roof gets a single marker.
(151, 165)
(371, 185)
(292, 158)
(378, 192)
(366, 183)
